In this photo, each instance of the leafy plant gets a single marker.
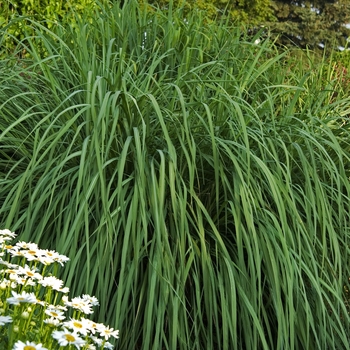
(239, 11)
(17, 16)
(319, 24)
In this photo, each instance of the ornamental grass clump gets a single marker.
(198, 181)
(34, 304)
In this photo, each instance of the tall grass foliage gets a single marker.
(198, 182)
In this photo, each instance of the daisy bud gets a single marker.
(25, 315)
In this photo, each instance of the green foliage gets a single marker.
(309, 23)
(252, 12)
(17, 16)
(198, 182)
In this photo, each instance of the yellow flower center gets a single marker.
(70, 337)
(54, 314)
(28, 347)
(31, 274)
(77, 325)
(32, 252)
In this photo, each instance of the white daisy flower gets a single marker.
(9, 265)
(51, 254)
(57, 307)
(27, 271)
(79, 304)
(45, 260)
(51, 281)
(4, 239)
(52, 321)
(30, 255)
(62, 259)
(107, 332)
(92, 300)
(108, 346)
(90, 324)
(65, 337)
(13, 271)
(55, 313)
(15, 253)
(3, 262)
(24, 281)
(24, 297)
(5, 319)
(25, 245)
(19, 280)
(64, 290)
(27, 346)
(97, 341)
(100, 342)
(42, 303)
(79, 326)
(7, 232)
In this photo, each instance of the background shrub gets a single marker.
(17, 16)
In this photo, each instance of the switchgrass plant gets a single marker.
(34, 302)
(198, 181)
